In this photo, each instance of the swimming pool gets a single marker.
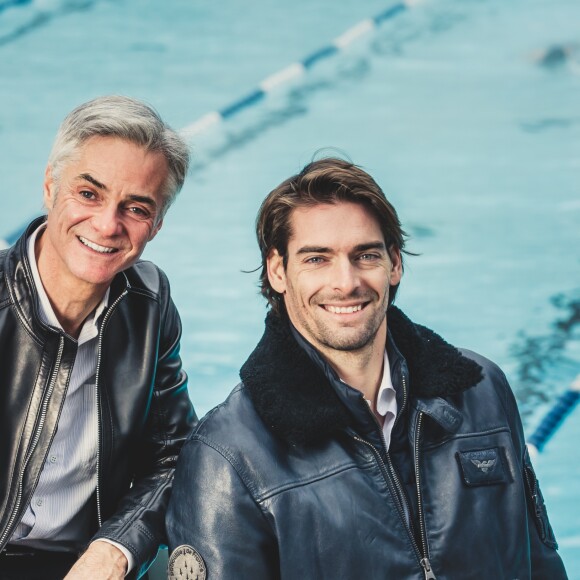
(477, 145)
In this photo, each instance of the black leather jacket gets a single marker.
(289, 478)
(144, 412)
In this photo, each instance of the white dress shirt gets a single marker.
(386, 401)
(60, 513)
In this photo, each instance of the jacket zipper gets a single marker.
(97, 399)
(403, 380)
(43, 412)
(404, 509)
(429, 574)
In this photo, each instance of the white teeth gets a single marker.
(343, 309)
(96, 247)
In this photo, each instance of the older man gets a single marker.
(93, 399)
(359, 444)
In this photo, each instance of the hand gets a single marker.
(101, 561)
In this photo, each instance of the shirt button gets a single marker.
(39, 502)
(53, 458)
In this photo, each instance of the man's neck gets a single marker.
(71, 304)
(362, 369)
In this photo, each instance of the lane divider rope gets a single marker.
(269, 84)
(295, 70)
(554, 418)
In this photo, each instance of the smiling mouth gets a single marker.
(96, 247)
(344, 309)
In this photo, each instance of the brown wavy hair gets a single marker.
(329, 180)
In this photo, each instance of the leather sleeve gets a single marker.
(138, 522)
(213, 511)
(545, 560)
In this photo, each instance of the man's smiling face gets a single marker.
(337, 277)
(102, 210)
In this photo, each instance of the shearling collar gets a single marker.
(294, 397)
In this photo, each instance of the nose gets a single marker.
(107, 220)
(345, 277)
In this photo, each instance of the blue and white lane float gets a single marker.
(563, 406)
(295, 70)
(270, 83)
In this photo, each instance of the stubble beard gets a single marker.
(347, 339)
(344, 342)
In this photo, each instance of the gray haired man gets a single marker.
(93, 399)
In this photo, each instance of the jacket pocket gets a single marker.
(536, 504)
(482, 467)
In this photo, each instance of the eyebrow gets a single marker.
(324, 250)
(134, 197)
(371, 246)
(314, 250)
(88, 177)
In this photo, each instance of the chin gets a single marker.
(347, 344)
(97, 278)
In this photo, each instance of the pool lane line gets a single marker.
(269, 84)
(295, 70)
(554, 418)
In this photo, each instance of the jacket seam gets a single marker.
(457, 436)
(227, 456)
(134, 522)
(302, 483)
(230, 459)
(21, 319)
(143, 292)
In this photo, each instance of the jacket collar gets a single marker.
(294, 396)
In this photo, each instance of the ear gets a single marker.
(155, 230)
(276, 272)
(48, 188)
(396, 266)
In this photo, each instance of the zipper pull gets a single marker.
(429, 574)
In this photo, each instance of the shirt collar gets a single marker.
(90, 327)
(387, 396)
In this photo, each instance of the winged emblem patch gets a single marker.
(484, 465)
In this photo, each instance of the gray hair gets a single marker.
(125, 118)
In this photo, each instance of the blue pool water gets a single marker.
(476, 143)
